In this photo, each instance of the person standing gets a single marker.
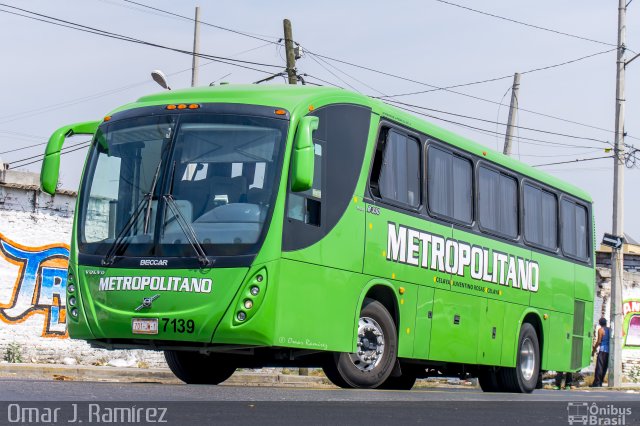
(603, 355)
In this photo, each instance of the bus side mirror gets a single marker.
(303, 155)
(51, 163)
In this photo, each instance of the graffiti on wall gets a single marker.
(631, 325)
(40, 286)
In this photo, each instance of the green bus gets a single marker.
(243, 226)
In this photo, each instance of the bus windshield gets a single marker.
(155, 184)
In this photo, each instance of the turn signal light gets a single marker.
(182, 106)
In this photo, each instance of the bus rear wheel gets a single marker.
(377, 347)
(524, 377)
(195, 368)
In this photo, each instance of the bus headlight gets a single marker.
(252, 295)
(72, 301)
(71, 288)
(74, 313)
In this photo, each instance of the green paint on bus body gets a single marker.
(311, 298)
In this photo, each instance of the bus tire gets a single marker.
(195, 368)
(403, 382)
(488, 379)
(372, 365)
(524, 377)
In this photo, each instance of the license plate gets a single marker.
(144, 325)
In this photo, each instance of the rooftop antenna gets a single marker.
(159, 77)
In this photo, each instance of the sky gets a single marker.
(51, 76)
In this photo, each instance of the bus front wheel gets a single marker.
(377, 345)
(195, 368)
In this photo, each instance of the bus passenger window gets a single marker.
(540, 217)
(498, 202)
(450, 184)
(396, 174)
(574, 229)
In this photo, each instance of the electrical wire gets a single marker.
(321, 80)
(65, 104)
(526, 24)
(202, 22)
(313, 56)
(530, 141)
(489, 80)
(23, 148)
(333, 74)
(577, 160)
(96, 31)
(502, 124)
(40, 157)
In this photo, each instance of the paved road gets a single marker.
(241, 405)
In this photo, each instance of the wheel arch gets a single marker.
(533, 317)
(385, 293)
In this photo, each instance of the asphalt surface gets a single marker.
(228, 404)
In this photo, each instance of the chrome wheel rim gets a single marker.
(527, 359)
(370, 345)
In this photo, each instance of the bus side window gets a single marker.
(574, 229)
(306, 206)
(396, 169)
(540, 217)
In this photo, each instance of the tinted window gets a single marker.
(450, 184)
(400, 169)
(339, 143)
(574, 229)
(498, 202)
(540, 217)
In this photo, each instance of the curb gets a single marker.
(90, 373)
(61, 372)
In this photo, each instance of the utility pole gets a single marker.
(513, 112)
(196, 49)
(291, 55)
(617, 258)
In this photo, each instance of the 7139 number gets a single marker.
(178, 325)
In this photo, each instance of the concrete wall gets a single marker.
(631, 309)
(35, 230)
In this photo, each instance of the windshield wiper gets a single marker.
(146, 201)
(188, 231)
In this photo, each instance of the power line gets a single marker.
(202, 22)
(313, 56)
(414, 81)
(577, 160)
(333, 74)
(96, 31)
(39, 157)
(502, 124)
(24, 147)
(411, 80)
(534, 141)
(71, 102)
(490, 80)
(324, 81)
(526, 24)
